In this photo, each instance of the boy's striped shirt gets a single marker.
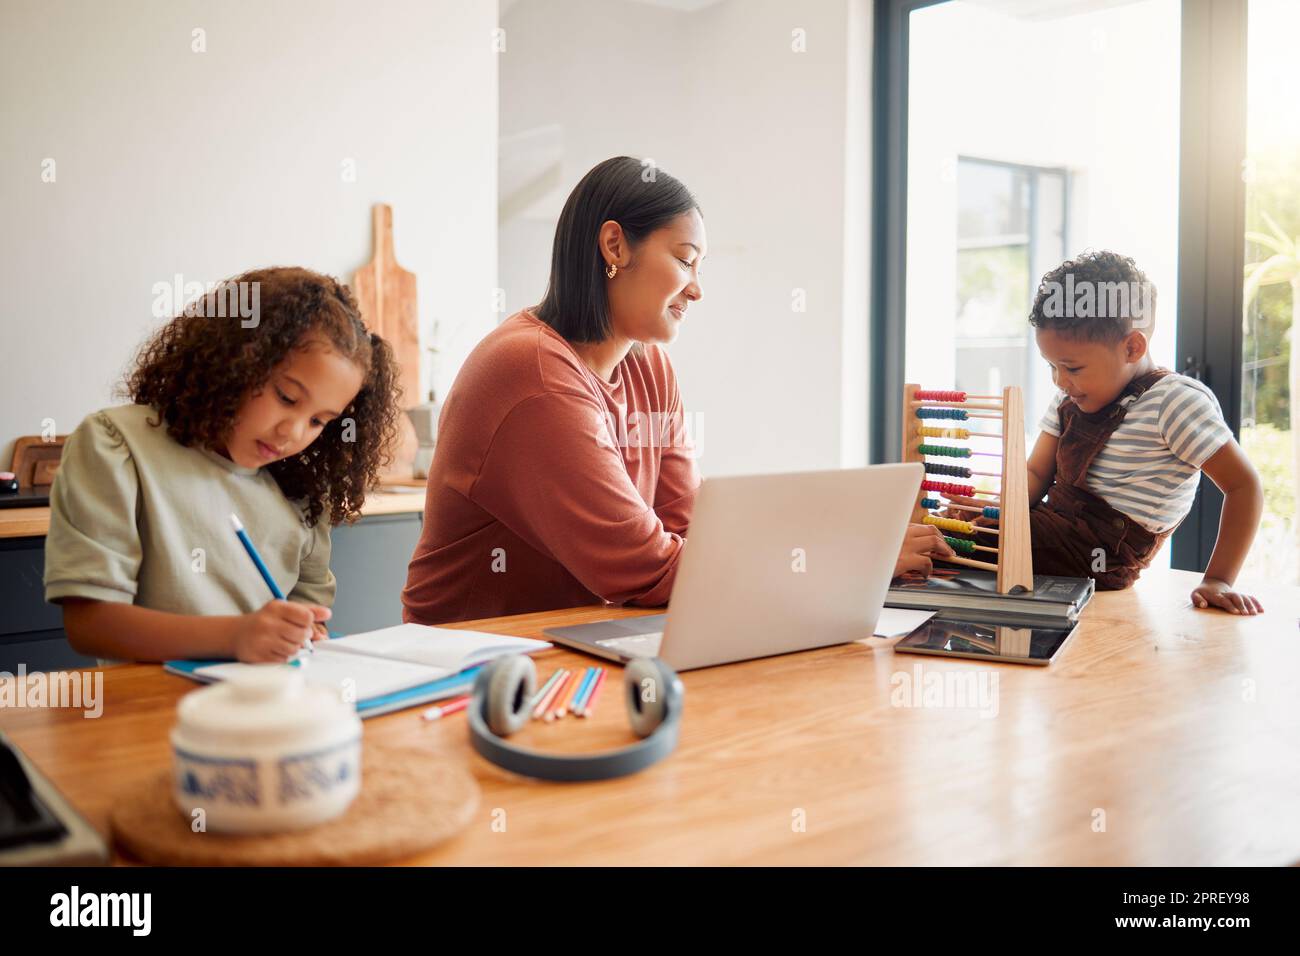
(1149, 468)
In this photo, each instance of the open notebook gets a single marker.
(388, 669)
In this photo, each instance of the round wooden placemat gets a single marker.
(410, 801)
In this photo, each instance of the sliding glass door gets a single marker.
(1270, 380)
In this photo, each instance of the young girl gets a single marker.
(283, 417)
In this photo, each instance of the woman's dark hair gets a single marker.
(198, 369)
(636, 195)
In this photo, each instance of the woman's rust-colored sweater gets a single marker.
(551, 487)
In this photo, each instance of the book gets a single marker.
(389, 669)
(1054, 599)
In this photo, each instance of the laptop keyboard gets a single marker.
(636, 645)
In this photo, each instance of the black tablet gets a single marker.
(950, 636)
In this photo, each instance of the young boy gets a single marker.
(1123, 442)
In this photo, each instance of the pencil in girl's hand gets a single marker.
(247, 542)
(257, 558)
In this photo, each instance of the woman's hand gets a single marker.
(921, 544)
(277, 631)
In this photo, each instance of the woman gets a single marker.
(563, 474)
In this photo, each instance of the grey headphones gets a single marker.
(502, 704)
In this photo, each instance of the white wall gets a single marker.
(773, 146)
(206, 164)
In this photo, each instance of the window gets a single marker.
(1010, 230)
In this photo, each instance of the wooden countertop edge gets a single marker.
(35, 522)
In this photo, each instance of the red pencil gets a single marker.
(451, 707)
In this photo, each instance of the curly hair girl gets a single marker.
(209, 370)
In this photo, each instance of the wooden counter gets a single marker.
(35, 522)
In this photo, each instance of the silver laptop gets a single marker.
(772, 564)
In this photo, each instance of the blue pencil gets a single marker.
(580, 700)
(261, 565)
(257, 558)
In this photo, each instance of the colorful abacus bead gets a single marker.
(948, 488)
(960, 545)
(949, 524)
(957, 413)
(952, 471)
(932, 503)
(991, 513)
(944, 451)
(929, 431)
(937, 395)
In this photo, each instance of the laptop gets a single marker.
(772, 564)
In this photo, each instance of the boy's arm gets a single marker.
(1042, 466)
(1243, 503)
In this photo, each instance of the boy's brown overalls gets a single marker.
(1073, 521)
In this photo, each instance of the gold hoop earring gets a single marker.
(611, 270)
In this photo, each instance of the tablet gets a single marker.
(947, 635)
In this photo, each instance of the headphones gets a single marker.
(503, 703)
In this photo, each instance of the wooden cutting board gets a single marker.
(36, 460)
(385, 293)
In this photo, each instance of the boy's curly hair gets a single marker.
(198, 369)
(1121, 297)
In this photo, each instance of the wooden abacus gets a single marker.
(923, 411)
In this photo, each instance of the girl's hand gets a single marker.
(277, 631)
(921, 543)
(1220, 594)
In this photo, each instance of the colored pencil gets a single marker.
(452, 706)
(550, 682)
(562, 701)
(247, 542)
(588, 676)
(590, 707)
(580, 705)
(541, 710)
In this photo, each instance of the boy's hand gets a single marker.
(1220, 594)
(974, 517)
(277, 631)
